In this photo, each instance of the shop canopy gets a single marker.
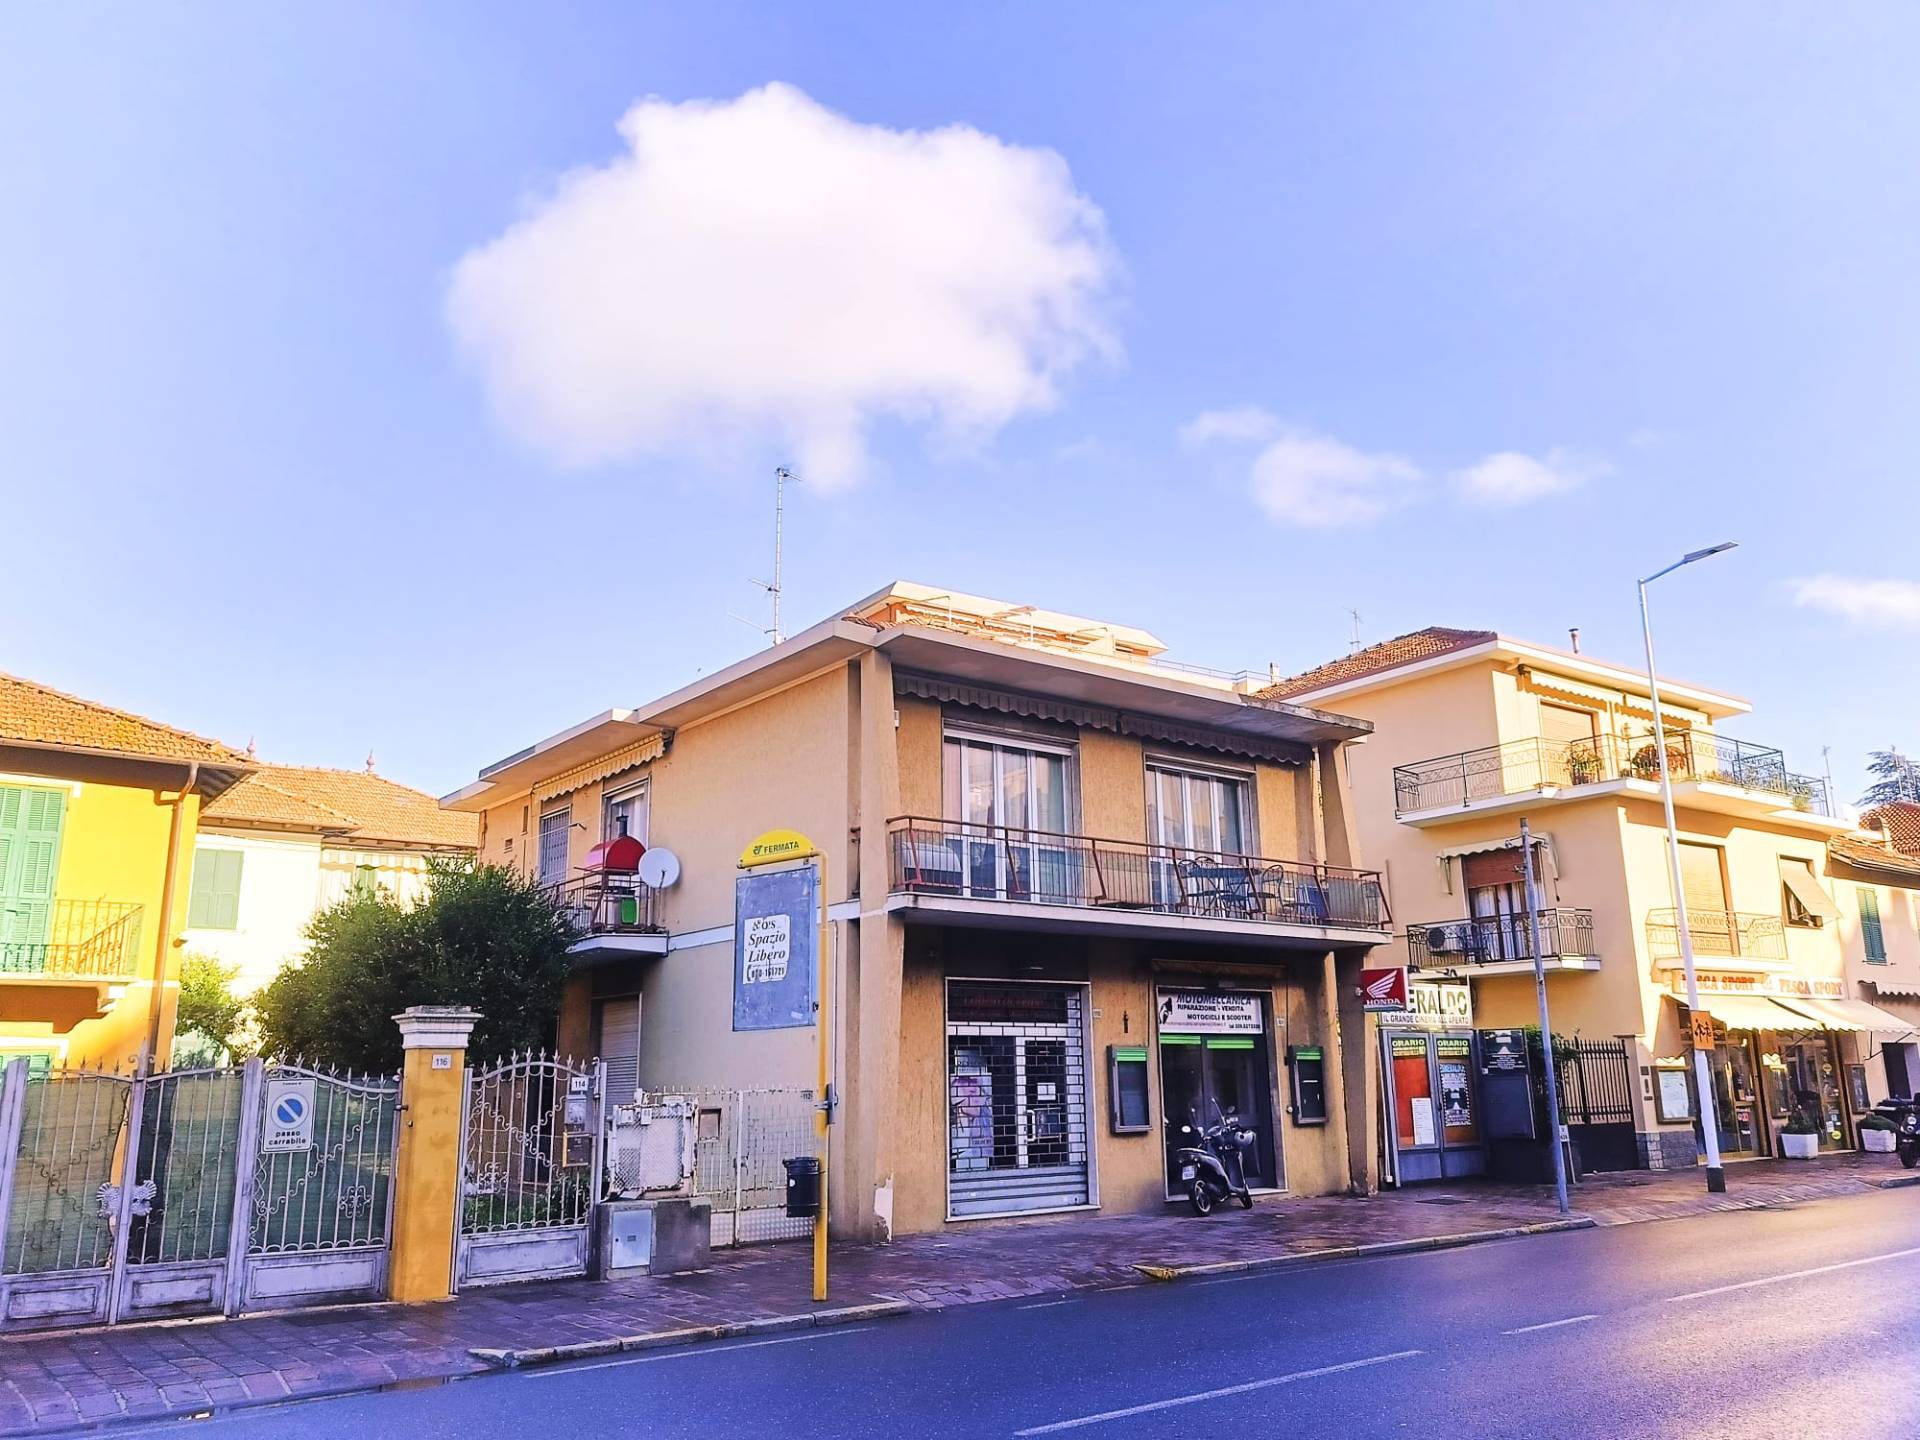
(1855, 1015)
(1751, 1012)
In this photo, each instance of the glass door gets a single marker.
(1198, 826)
(1736, 1097)
(1013, 804)
(1203, 1078)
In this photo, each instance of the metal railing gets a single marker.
(616, 903)
(997, 862)
(85, 940)
(1489, 940)
(1520, 766)
(1720, 934)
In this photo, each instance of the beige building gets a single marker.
(1077, 893)
(1474, 730)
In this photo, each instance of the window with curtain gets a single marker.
(1199, 810)
(1872, 937)
(1014, 801)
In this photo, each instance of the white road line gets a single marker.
(1046, 1304)
(1795, 1275)
(698, 1351)
(1225, 1391)
(1550, 1324)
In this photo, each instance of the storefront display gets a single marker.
(1431, 1087)
(1216, 1052)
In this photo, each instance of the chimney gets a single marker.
(1573, 636)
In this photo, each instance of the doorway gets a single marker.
(1204, 1076)
(1431, 1085)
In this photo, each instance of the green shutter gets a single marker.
(30, 822)
(1871, 934)
(214, 902)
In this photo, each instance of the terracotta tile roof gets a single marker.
(38, 715)
(1387, 655)
(358, 805)
(1874, 857)
(1901, 821)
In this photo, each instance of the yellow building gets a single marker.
(1079, 896)
(98, 811)
(1474, 730)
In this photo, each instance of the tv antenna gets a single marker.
(781, 475)
(1354, 643)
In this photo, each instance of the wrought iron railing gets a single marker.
(79, 939)
(1520, 766)
(1716, 934)
(996, 862)
(1491, 939)
(616, 903)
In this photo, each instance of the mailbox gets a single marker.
(803, 1187)
(1308, 1064)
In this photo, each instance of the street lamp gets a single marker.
(1709, 1122)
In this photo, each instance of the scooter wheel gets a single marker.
(1201, 1198)
(1246, 1201)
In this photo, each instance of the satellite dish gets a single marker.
(659, 868)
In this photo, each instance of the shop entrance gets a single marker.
(1809, 1079)
(1431, 1084)
(1214, 1061)
(1736, 1096)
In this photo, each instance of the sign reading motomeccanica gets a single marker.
(1210, 1012)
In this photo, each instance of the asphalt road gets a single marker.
(1775, 1324)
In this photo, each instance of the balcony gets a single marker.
(1123, 885)
(612, 914)
(85, 940)
(1724, 774)
(1722, 939)
(1502, 944)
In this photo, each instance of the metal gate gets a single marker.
(740, 1139)
(185, 1131)
(1596, 1101)
(530, 1166)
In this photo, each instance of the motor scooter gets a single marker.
(1212, 1167)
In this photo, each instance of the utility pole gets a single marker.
(1546, 1023)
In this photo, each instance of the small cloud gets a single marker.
(1894, 603)
(1306, 479)
(1509, 477)
(1243, 422)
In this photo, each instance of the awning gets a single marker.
(1751, 1012)
(1808, 892)
(1902, 986)
(1856, 1015)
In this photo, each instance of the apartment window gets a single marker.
(1021, 784)
(1199, 810)
(214, 901)
(1803, 903)
(556, 828)
(1872, 937)
(625, 813)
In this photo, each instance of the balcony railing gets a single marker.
(995, 862)
(608, 904)
(83, 940)
(1717, 935)
(1521, 766)
(1494, 939)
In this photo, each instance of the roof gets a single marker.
(1870, 855)
(355, 805)
(36, 714)
(1901, 821)
(1387, 655)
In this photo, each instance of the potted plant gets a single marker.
(1877, 1134)
(1583, 766)
(1799, 1139)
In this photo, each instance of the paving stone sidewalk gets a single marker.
(54, 1382)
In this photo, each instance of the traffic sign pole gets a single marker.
(1546, 1024)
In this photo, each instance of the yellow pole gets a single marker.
(822, 1114)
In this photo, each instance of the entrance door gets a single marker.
(1812, 1082)
(1736, 1097)
(1203, 1077)
(1433, 1101)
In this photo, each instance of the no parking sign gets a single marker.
(289, 1115)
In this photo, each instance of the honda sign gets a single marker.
(1384, 989)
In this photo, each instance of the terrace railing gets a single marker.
(1492, 939)
(1717, 935)
(78, 940)
(614, 903)
(996, 862)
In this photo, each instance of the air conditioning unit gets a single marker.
(1449, 939)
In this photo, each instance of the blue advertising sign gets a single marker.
(776, 942)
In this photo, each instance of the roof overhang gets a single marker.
(211, 779)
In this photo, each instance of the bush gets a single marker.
(1877, 1122)
(209, 1016)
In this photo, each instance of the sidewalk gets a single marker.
(53, 1382)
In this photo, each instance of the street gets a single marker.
(1783, 1323)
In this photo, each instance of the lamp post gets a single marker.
(1709, 1122)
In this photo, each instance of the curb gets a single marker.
(1384, 1247)
(687, 1335)
(1899, 1182)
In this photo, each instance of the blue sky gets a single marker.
(1644, 275)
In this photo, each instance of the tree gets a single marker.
(1895, 778)
(209, 1014)
(484, 937)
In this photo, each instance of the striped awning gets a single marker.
(1751, 1012)
(607, 766)
(1853, 1015)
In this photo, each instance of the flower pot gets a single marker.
(1799, 1147)
(1880, 1142)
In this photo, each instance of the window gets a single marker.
(1803, 902)
(214, 901)
(556, 831)
(626, 814)
(1871, 935)
(1012, 799)
(1198, 810)
(366, 882)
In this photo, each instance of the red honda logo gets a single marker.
(1384, 989)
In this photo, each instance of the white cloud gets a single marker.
(762, 270)
(1305, 479)
(1509, 477)
(1865, 602)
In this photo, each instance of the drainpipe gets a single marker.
(151, 1050)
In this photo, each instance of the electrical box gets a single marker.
(1128, 1104)
(1308, 1067)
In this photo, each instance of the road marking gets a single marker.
(1046, 1304)
(1550, 1324)
(1219, 1394)
(699, 1350)
(1795, 1275)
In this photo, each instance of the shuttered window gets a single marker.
(214, 902)
(29, 861)
(1871, 935)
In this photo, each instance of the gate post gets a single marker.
(426, 1175)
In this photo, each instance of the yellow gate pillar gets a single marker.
(426, 1175)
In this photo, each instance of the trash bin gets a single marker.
(803, 1187)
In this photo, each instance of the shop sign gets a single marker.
(1210, 1012)
(1434, 1006)
(1808, 987)
(1384, 989)
(1503, 1050)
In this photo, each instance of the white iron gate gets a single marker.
(530, 1164)
(740, 1139)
